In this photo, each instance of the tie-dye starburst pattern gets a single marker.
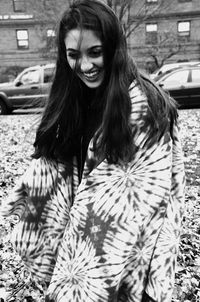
(114, 237)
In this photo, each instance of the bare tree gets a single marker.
(47, 15)
(166, 47)
(133, 13)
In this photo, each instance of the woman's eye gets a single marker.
(73, 55)
(95, 53)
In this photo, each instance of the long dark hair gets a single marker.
(62, 117)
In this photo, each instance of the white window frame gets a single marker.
(184, 30)
(19, 6)
(22, 39)
(151, 1)
(184, 1)
(151, 29)
(50, 33)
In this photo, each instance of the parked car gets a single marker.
(28, 90)
(183, 84)
(169, 67)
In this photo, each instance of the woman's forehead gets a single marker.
(85, 38)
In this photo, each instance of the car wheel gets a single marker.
(3, 108)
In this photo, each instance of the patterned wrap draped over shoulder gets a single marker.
(114, 236)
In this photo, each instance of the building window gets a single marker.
(22, 39)
(151, 1)
(184, 0)
(151, 33)
(19, 5)
(50, 37)
(51, 33)
(184, 30)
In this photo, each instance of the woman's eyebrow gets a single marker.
(98, 45)
(95, 46)
(72, 49)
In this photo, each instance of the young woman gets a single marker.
(100, 206)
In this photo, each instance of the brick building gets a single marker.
(170, 32)
(27, 29)
(161, 27)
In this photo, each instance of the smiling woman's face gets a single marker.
(84, 52)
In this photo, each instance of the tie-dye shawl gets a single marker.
(116, 234)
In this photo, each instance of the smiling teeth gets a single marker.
(91, 74)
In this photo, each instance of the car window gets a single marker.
(31, 76)
(180, 76)
(48, 75)
(196, 75)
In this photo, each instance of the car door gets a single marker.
(27, 89)
(176, 83)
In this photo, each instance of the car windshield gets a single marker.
(177, 77)
(162, 75)
(29, 77)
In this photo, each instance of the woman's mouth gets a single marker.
(91, 76)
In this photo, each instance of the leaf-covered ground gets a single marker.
(16, 138)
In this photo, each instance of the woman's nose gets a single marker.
(85, 64)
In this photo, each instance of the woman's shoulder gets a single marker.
(46, 170)
(139, 103)
(39, 168)
(41, 163)
(137, 95)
